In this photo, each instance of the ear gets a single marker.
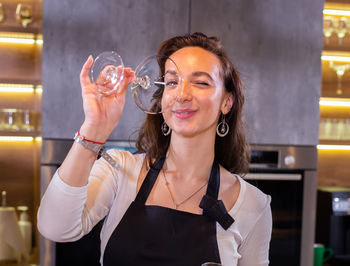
(227, 103)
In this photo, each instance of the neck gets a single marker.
(191, 157)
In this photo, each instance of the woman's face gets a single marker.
(193, 105)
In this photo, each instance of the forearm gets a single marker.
(77, 165)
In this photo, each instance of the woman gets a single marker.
(177, 201)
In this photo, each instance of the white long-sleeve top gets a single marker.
(67, 213)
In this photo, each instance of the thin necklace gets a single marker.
(177, 205)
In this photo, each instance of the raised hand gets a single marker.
(102, 113)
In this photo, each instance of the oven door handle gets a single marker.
(273, 176)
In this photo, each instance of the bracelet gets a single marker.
(88, 140)
(92, 146)
(96, 147)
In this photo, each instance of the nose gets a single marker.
(184, 92)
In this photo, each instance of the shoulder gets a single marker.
(241, 195)
(252, 208)
(254, 199)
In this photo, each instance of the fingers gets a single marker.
(84, 74)
(129, 74)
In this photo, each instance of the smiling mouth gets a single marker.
(184, 113)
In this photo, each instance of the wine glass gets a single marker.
(27, 121)
(10, 120)
(2, 13)
(328, 27)
(24, 14)
(340, 70)
(107, 72)
(342, 29)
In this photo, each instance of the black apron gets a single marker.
(158, 236)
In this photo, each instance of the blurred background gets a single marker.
(294, 61)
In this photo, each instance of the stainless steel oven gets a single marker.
(288, 174)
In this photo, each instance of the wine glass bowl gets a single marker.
(149, 84)
(107, 72)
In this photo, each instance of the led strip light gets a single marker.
(335, 58)
(20, 38)
(333, 147)
(9, 87)
(336, 102)
(20, 138)
(336, 12)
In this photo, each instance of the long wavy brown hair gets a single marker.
(231, 151)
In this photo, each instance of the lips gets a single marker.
(184, 113)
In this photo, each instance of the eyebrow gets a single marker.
(173, 72)
(201, 73)
(195, 74)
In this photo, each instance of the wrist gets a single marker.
(93, 146)
(93, 133)
(81, 137)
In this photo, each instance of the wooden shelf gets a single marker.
(334, 142)
(34, 134)
(333, 165)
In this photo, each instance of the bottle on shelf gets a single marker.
(25, 227)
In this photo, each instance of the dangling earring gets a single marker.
(222, 129)
(165, 129)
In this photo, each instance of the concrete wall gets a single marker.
(75, 29)
(275, 44)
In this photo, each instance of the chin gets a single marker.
(188, 133)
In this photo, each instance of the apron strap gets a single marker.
(214, 181)
(149, 181)
(212, 207)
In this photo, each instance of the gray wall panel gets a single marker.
(276, 45)
(75, 29)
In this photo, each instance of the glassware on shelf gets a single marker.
(24, 14)
(107, 73)
(328, 27)
(340, 70)
(27, 124)
(37, 121)
(334, 129)
(342, 29)
(17, 120)
(341, 129)
(322, 128)
(9, 120)
(328, 128)
(2, 13)
(2, 120)
(347, 129)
